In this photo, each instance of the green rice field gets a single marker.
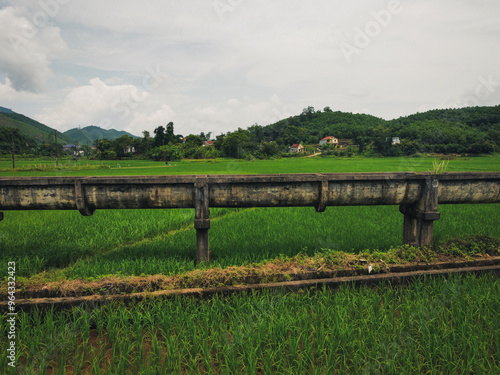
(229, 166)
(135, 242)
(432, 326)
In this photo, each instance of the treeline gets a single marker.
(163, 145)
(13, 139)
(473, 130)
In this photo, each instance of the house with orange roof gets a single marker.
(329, 140)
(297, 147)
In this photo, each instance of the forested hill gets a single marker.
(27, 127)
(91, 133)
(6, 110)
(471, 130)
(311, 126)
(476, 117)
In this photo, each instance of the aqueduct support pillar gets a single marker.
(419, 217)
(201, 221)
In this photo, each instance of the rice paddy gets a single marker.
(437, 326)
(136, 242)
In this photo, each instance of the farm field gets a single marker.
(431, 326)
(229, 166)
(135, 242)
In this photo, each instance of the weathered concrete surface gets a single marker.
(288, 190)
(417, 194)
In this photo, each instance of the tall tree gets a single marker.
(146, 142)
(159, 136)
(169, 134)
(121, 144)
(235, 144)
(205, 137)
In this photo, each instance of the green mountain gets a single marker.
(40, 133)
(5, 110)
(91, 133)
(472, 130)
(28, 127)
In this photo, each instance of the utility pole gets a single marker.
(13, 152)
(57, 156)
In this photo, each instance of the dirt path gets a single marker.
(310, 156)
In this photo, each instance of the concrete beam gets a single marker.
(417, 194)
(287, 190)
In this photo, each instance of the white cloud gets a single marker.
(223, 72)
(95, 104)
(148, 121)
(10, 97)
(27, 49)
(233, 113)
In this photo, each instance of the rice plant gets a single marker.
(440, 325)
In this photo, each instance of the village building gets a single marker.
(129, 149)
(329, 140)
(208, 143)
(393, 140)
(73, 149)
(297, 147)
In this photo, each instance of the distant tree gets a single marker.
(164, 136)
(269, 149)
(362, 142)
(205, 137)
(219, 140)
(160, 136)
(86, 149)
(257, 133)
(121, 144)
(105, 149)
(235, 144)
(382, 140)
(308, 113)
(22, 144)
(146, 141)
(169, 133)
(138, 145)
(193, 141)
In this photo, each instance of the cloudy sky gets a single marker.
(216, 65)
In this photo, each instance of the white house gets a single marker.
(394, 140)
(297, 147)
(330, 140)
(129, 149)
